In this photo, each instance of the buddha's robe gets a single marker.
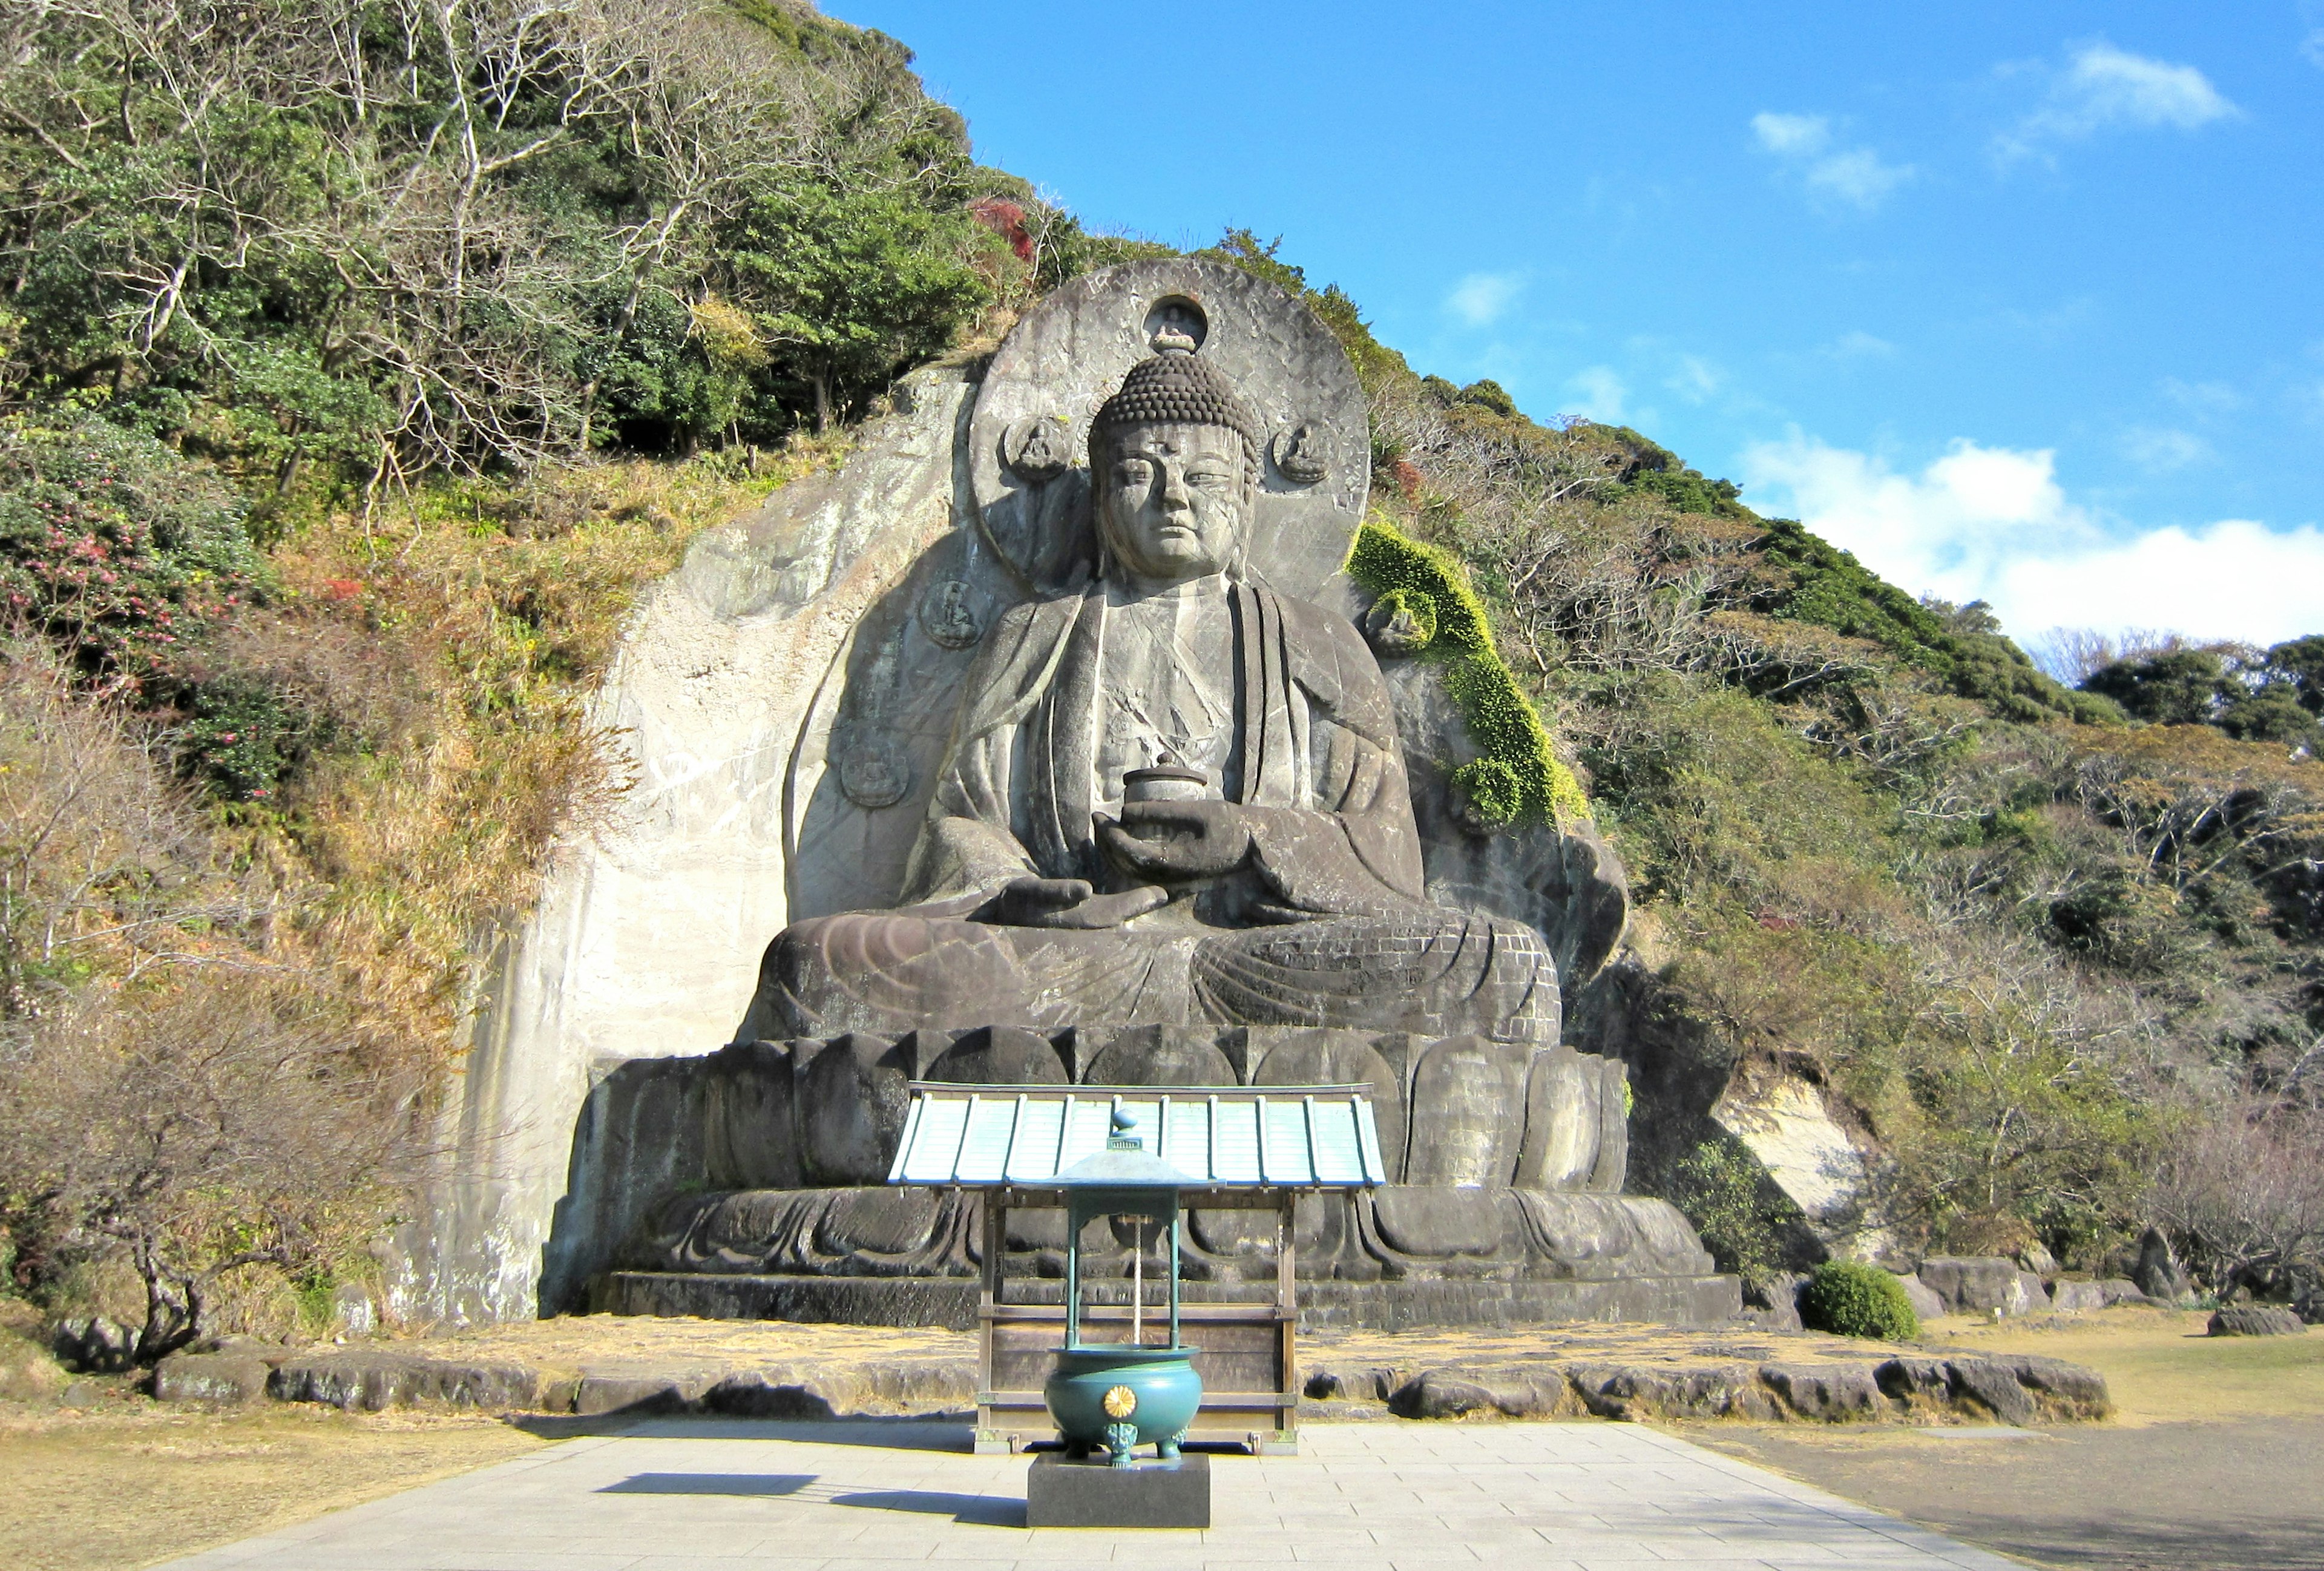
(1327, 925)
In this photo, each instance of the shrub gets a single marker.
(1848, 1299)
(1500, 720)
(1717, 1186)
(115, 546)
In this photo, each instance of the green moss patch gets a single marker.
(1528, 784)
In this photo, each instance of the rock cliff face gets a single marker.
(786, 700)
(647, 936)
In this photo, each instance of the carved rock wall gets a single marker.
(646, 940)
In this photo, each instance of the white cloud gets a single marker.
(1993, 524)
(1696, 379)
(2202, 398)
(1856, 176)
(1803, 136)
(2159, 449)
(2103, 87)
(1603, 394)
(1858, 344)
(1480, 298)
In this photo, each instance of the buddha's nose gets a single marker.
(1173, 489)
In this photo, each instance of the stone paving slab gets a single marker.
(691, 1494)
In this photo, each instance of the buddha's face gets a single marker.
(1172, 500)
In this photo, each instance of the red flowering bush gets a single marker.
(117, 547)
(134, 560)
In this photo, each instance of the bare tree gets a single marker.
(172, 1094)
(205, 1124)
(2072, 655)
(2244, 1189)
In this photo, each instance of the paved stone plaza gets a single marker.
(674, 1494)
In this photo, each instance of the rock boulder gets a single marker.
(2256, 1320)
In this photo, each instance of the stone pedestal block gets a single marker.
(1061, 1492)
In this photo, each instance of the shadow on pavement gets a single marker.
(754, 1483)
(942, 1433)
(981, 1511)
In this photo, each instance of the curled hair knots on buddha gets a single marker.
(1174, 386)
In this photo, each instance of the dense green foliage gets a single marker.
(1848, 1299)
(387, 236)
(2275, 695)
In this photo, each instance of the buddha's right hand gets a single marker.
(1066, 902)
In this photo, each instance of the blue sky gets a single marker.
(2017, 301)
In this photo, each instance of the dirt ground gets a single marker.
(129, 1482)
(571, 1342)
(2214, 1461)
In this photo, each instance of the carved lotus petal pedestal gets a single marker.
(1504, 1206)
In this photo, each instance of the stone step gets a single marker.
(1377, 1305)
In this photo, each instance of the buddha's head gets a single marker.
(1174, 469)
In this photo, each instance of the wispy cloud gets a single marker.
(1604, 394)
(2106, 89)
(1993, 525)
(2159, 449)
(1858, 344)
(2202, 398)
(1482, 298)
(1696, 379)
(1855, 177)
(1803, 136)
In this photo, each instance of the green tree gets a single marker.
(2300, 663)
(2180, 687)
(850, 287)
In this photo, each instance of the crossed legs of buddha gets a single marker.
(1434, 974)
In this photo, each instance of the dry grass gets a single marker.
(131, 1486)
(508, 604)
(2160, 1365)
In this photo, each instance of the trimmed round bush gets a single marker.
(1848, 1299)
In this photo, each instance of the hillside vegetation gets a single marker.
(360, 360)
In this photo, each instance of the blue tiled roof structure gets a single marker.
(1299, 1137)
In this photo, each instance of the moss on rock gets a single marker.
(1431, 586)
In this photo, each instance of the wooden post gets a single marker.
(1286, 1322)
(989, 1437)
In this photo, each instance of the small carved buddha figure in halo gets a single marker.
(1173, 796)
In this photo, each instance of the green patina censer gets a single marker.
(1120, 1395)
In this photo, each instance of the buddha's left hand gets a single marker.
(1176, 840)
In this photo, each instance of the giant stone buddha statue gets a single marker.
(1174, 795)
(1108, 788)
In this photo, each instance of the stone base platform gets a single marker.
(1091, 1492)
(625, 1368)
(1387, 1305)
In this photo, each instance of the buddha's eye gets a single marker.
(1211, 479)
(1132, 472)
